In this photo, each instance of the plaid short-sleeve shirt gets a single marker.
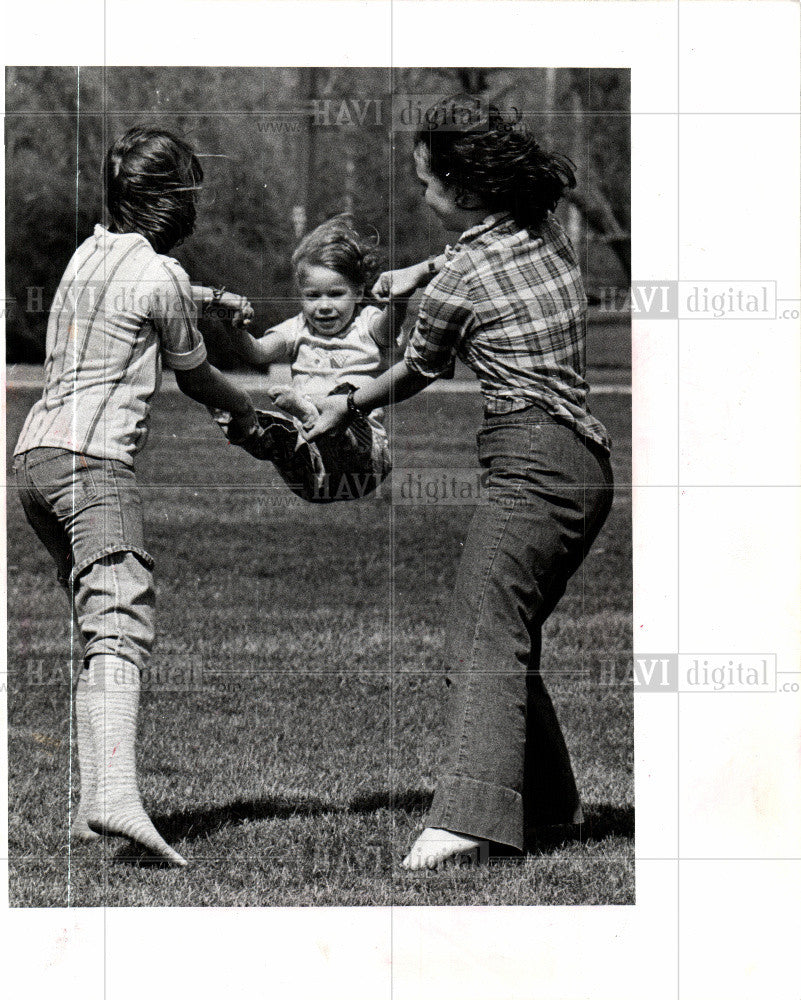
(120, 311)
(513, 308)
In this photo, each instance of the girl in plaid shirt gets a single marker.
(508, 300)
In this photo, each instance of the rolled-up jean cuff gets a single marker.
(477, 809)
(111, 550)
(115, 603)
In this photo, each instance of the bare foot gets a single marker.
(434, 847)
(294, 403)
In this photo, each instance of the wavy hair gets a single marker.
(485, 156)
(337, 244)
(152, 180)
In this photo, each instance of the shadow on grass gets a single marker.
(192, 824)
(601, 821)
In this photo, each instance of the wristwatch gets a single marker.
(431, 262)
(354, 412)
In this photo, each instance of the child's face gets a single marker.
(328, 300)
(441, 198)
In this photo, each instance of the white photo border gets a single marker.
(715, 158)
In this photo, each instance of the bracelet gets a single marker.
(431, 264)
(217, 294)
(353, 409)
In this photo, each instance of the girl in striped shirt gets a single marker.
(123, 309)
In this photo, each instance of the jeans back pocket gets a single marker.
(67, 481)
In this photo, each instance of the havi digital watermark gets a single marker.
(696, 300)
(706, 673)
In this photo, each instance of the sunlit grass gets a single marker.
(292, 718)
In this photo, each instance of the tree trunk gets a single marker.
(302, 209)
(599, 214)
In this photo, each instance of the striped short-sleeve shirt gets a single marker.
(512, 307)
(120, 311)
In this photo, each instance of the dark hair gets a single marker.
(336, 244)
(152, 180)
(487, 157)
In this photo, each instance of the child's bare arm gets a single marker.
(386, 327)
(262, 353)
(394, 288)
(237, 340)
(403, 281)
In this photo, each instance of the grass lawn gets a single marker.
(291, 724)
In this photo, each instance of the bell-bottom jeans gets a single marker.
(548, 492)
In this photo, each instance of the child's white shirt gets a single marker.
(320, 364)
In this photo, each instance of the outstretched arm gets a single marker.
(386, 326)
(210, 387)
(394, 288)
(260, 353)
(405, 280)
(227, 304)
(237, 339)
(396, 384)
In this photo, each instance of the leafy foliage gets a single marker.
(275, 141)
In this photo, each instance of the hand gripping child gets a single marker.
(123, 309)
(336, 345)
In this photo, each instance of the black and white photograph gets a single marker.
(312, 645)
(401, 499)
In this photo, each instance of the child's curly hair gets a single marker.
(473, 149)
(336, 244)
(152, 180)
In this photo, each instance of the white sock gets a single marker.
(86, 760)
(113, 702)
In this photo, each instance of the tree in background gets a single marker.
(283, 149)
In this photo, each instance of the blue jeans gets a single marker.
(507, 768)
(87, 512)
